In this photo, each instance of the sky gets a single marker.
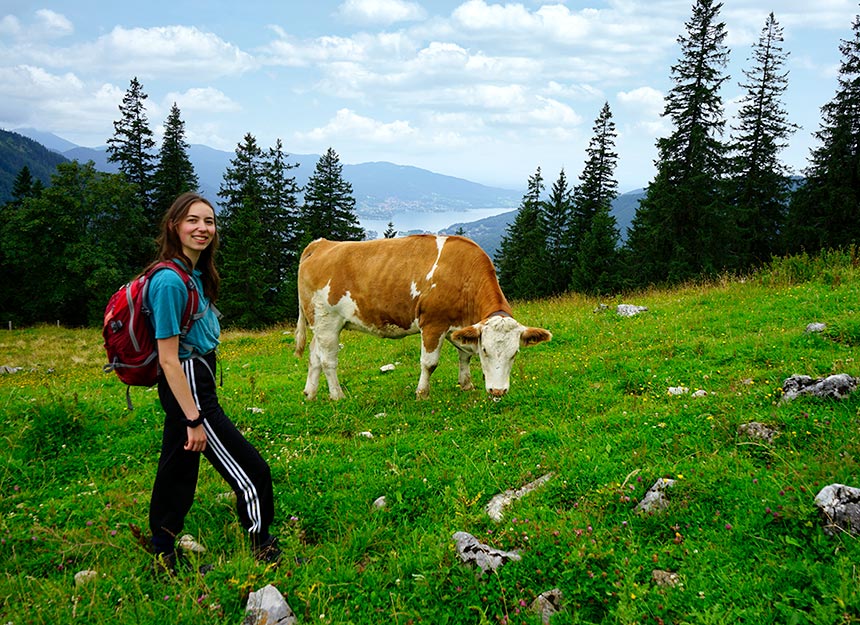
(482, 90)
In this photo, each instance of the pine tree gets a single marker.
(681, 228)
(246, 273)
(594, 230)
(556, 215)
(825, 211)
(131, 147)
(390, 232)
(760, 182)
(329, 207)
(174, 173)
(24, 186)
(521, 260)
(282, 242)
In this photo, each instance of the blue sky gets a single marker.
(482, 90)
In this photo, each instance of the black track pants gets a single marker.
(233, 457)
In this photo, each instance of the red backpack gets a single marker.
(129, 339)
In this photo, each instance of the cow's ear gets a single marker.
(533, 336)
(467, 336)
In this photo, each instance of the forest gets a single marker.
(721, 200)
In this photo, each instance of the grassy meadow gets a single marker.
(591, 407)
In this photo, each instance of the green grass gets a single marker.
(591, 407)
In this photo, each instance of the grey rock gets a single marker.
(546, 604)
(758, 431)
(816, 327)
(484, 556)
(85, 577)
(502, 500)
(835, 386)
(629, 310)
(665, 578)
(839, 507)
(655, 499)
(267, 606)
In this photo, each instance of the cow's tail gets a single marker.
(301, 333)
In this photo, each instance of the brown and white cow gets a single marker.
(440, 286)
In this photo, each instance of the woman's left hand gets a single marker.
(196, 439)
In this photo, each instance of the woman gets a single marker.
(194, 421)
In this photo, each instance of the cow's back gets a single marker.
(394, 282)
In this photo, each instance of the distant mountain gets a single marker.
(380, 189)
(16, 151)
(488, 232)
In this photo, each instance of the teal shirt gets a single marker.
(167, 298)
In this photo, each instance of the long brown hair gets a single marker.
(170, 246)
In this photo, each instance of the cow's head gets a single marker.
(497, 341)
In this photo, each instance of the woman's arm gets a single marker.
(168, 358)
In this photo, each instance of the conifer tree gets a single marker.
(282, 241)
(329, 207)
(556, 214)
(521, 260)
(759, 188)
(825, 211)
(594, 230)
(174, 173)
(390, 231)
(131, 147)
(246, 274)
(24, 185)
(680, 228)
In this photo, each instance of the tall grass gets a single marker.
(591, 407)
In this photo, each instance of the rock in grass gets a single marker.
(629, 310)
(267, 606)
(758, 432)
(665, 578)
(85, 577)
(839, 506)
(546, 604)
(816, 327)
(655, 500)
(484, 556)
(188, 544)
(836, 386)
(502, 500)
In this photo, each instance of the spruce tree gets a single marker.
(824, 211)
(174, 173)
(246, 273)
(680, 230)
(390, 231)
(556, 214)
(759, 188)
(131, 147)
(595, 233)
(521, 260)
(282, 242)
(329, 207)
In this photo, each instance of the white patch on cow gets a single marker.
(440, 243)
(413, 289)
(499, 345)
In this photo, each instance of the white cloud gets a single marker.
(10, 26)
(348, 126)
(52, 24)
(381, 11)
(163, 51)
(202, 99)
(647, 100)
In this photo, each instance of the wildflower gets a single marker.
(728, 526)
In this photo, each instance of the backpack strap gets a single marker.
(190, 314)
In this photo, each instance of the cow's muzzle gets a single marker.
(495, 393)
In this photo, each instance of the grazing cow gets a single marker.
(440, 286)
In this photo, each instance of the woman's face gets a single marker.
(197, 229)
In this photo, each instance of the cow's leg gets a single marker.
(314, 369)
(328, 343)
(465, 376)
(323, 355)
(431, 347)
